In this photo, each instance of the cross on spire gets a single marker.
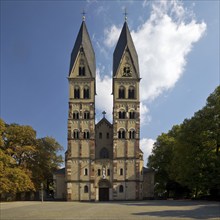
(83, 15)
(125, 14)
(104, 113)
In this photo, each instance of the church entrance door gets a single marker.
(103, 194)
(104, 186)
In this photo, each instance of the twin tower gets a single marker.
(104, 161)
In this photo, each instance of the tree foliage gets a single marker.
(19, 143)
(188, 155)
(46, 160)
(26, 161)
(13, 178)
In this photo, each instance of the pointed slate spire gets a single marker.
(125, 42)
(83, 42)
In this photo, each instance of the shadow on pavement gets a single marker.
(168, 203)
(202, 212)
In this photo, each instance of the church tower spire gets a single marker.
(81, 119)
(125, 43)
(83, 44)
(127, 156)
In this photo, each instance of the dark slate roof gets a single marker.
(125, 41)
(60, 171)
(83, 40)
(148, 170)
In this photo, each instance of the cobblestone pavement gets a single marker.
(149, 210)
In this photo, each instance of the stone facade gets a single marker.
(59, 184)
(148, 185)
(104, 160)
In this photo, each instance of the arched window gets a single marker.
(121, 134)
(86, 135)
(82, 68)
(86, 115)
(86, 93)
(86, 172)
(131, 92)
(86, 189)
(104, 153)
(108, 172)
(77, 92)
(127, 70)
(132, 115)
(81, 71)
(121, 189)
(100, 135)
(121, 92)
(132, 134)
(121, 114)
(75, 134)
(75, 115)
(107, 135)
(121, 172)
(99, 172)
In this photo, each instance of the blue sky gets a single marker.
(177, 43)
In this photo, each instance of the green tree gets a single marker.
(46, 160)
(19, 143)
(193, 157)
(199, 148)
(161, 157)
(13, 179)
(2, 132)
(26, 161)
(212, 117)
(189, 154)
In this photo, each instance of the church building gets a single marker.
(104, 161)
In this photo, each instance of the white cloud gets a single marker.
(162, 44)
(111, 35)
(102, 49)
(100, 9)
(145, 117)
(146, 146)
(145, 3)
(104, 99)
(162, 50)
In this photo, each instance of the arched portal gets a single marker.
(104, 186)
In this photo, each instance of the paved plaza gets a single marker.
(149, 210)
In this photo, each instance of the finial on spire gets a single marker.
(83, 15)
(104, 112)
(125, 14)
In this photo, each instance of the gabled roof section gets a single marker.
(83, 40)
(104, 120)
(125, 42)
(60, 171)
(148, 170)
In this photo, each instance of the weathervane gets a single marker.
(125, 14)
(83, 15)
